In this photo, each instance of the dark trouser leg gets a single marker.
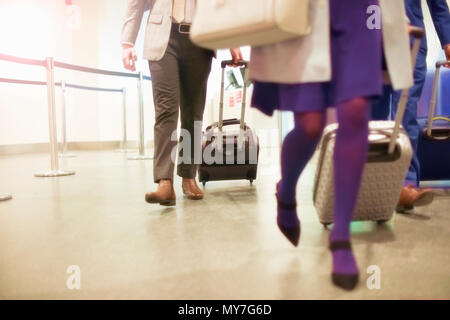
(381, 108)
(410, 120)
(166, 97)
(195, 67)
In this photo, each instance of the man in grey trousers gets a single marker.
(179, 71)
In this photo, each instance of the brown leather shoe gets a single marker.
(164, 194)
(191, 189)
(411, 197)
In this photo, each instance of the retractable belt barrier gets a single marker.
(50, 64)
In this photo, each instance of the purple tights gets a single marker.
(349, 160)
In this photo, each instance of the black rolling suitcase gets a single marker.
(230, 154)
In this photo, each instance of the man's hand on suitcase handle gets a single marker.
(236, 56)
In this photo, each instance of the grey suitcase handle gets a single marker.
(228, 122)
(241, 63)
(418, 34)
(433, 101)
(224, 64)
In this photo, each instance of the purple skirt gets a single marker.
(356, 60)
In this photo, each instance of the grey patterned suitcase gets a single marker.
(390, 154)
(382, 178)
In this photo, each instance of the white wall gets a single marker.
(36, 29)
(29, 29)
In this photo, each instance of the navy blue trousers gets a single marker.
(386, 108)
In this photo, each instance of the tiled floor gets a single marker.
(226, 246)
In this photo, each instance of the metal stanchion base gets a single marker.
(4, 197)
(67, 155)
(139, 157)
(54, 173)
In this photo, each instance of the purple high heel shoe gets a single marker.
(287, 220)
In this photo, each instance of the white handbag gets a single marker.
(220, 24)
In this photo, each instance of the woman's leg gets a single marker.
(349, 159)
(297, 149)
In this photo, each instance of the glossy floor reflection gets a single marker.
(224, 247)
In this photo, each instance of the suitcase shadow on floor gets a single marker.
(244, 194)
(230, 196)
(415, 215)
(372, 232)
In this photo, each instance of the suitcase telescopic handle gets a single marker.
(418, 34)
(241, 63)
(224, 64)
(227, 122)
(442, 63)
(433, 100)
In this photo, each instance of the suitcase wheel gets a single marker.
(251, 181)
(204, 183)
(382, 221)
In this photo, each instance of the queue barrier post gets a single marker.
(64, 153)
(50, 65)
(124, 142)
(124, 119)
(54, 161)
(141, 155)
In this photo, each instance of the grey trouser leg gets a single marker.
(179, 81)
(194, 71)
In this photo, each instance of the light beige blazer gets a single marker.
(157, 29)
(307, 59)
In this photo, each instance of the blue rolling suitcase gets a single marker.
(433, 149)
